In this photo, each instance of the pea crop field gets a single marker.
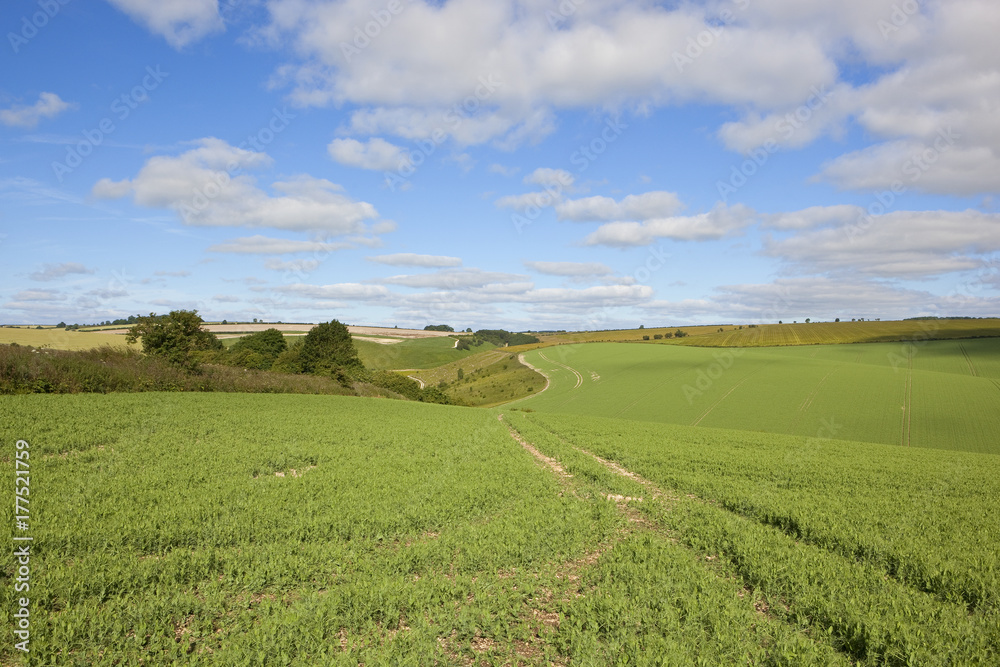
(644, 505)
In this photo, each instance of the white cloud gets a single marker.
(209, 186)
(55, 271)
(570, 269)
(901, 244)
(263, 245)
(49, 105)
(502, 170)
(294, 266)
(180, 22)
(819, 298)
(412, 259)
(908, 164)
(376, 154)
(546, 176)
(656, 204)
(814, 216)
(348, 291)
(527, 200)
(516, 68)
(455, 279)
(39, 295)
(718, 223)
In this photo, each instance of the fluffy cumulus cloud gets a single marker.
(209, 185)
(376, 153)
(720, 222)
(645, 206)
(180, 22)
(482, 70)
(49, 105)
(901, 244)
(548, 177)
(932, 113)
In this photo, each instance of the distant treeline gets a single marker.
(500, 338)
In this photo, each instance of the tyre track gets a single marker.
(904, 438)
(968, 360)
(579, 376)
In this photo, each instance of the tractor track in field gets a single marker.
(579, 376)
(968, 360)
(724, 396)
(807, 402)
(904, 438)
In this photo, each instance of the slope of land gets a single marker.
(418, 353)
(943, 394)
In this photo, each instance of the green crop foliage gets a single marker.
(889, 553)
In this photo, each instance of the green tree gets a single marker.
(680, 334)
(178, 337)
(328, 347)
(269, 343)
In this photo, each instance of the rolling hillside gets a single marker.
(943, 394)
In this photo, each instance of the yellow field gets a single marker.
(767, 335)
(824, 333)
(59, 339)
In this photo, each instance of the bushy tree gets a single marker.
(269, 342)
(328, 347)
(178, 337)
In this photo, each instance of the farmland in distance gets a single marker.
(942, 394)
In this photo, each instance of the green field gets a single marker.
(415, 353)
(232, 529)
(942, 394)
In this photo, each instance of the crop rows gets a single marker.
(888, 553)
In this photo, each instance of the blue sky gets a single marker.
(543, 164)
